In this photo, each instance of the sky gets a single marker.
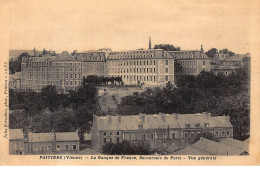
(127, 24)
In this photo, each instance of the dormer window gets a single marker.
(206, 125)
(197, 125)
(187, 125)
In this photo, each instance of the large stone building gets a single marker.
(146, 67)
(63, 71)
(190, 62)
(157, 131)
(224, 64)
(151, 67)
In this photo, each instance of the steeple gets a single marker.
(201, 49)
(150, 44)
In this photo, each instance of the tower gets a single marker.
(150, 44)
(201, 48)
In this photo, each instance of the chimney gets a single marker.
(176, 116)
(119, 118)
(150, 44)
(142, 116)
(109, 118)
(54, 141)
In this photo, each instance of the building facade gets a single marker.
(63, 71)
(190, 62)
(151, 67)
(43, 143)
(16, 142)
(135, 67)
(157, 131)
(93, 63)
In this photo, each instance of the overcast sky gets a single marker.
(124, 25)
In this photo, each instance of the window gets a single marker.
(74, 147)
(58, 147)
(152, 136)
(117, 133)
(192, 135)
(144, 136)
(166, 78)
(216, 133)
(157, 136)
(104, 140)
(173, 135)
(42, 148)
(66, 147)
(117, 140)
(35, 148)
(105, 133)
(197, 125)
(127, 137)
(187, 125)
(166, 62)
(204, 63)
(132, 136)
(48, 148)
(111, 140)
(133, 143)
(206, 125)
(186, 135)
(223, 133)
(164, 135)
(228, 133)
(166, 70)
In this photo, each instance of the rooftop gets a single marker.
(15, 134)
(215, 148)
(49, 137)
(161, 120)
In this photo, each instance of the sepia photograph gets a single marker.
(135, 80)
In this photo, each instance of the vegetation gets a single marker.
(167, 47)
(217, 94)
(124, 148)
(49, 111)
(15, 65)
(213, 51)
(100, 80)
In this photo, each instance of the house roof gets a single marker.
(237, 57)
(15, 134)
(156, 121)
(215, 148)
(242, 145)
(174, 147)
(191, 151)
(49, 137)
(133, 122)
(65, 56)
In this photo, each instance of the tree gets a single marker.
(15, 65)
(50, 97)
(167, 47)
(44, 52)
(210, 53)
(59, 121)
(226, 51)
(73, 53)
